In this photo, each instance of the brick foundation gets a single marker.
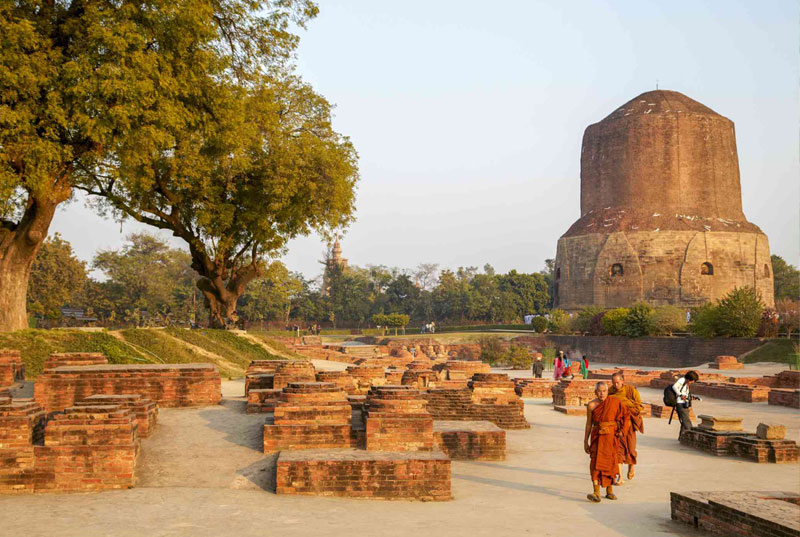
(144, 410)
(725, 362)
(79, 449)
(574, 392)
(396, 419)
(168, 385)
(458, 404)
(12, 370)
(66, 359)
(739, 514)
(364, 474)
(309, 415)
(784, 397)
(260, 401)
(294, 371)
(470, 440)
(534, 388)
(741, 444)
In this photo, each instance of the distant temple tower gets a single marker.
(333, 260)
(661, 211)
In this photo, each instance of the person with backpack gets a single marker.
(679, 397)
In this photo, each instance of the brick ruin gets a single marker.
(785, 385)
(739, 514)
(169, 385)
(12, 370)
(723, 435)
(82, 430)
(83, 448)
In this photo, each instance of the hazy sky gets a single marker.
(468, 117)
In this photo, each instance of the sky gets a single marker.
(468, 118)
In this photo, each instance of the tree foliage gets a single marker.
(786, 279)
(57, 278)
(639, 320)
(738, 314)
(614, 321)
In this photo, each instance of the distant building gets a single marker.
(333, 261)
(661, 211)
(75, 316)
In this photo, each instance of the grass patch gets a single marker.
(778, 350)
(169, 351)
(277, 345)
(227, 344)
(36, 345)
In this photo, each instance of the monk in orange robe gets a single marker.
(605, 417)
(629, 396)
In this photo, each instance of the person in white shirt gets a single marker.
(681, 389)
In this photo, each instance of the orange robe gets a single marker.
(629, 396)
(607, 421)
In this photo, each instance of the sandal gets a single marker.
(630, 473)
(593, 498)
(611, 496)
(619, 482)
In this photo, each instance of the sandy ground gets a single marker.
(202, 474)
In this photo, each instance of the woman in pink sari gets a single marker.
(558, 368)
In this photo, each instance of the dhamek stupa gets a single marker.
(661, 211)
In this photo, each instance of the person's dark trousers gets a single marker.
(683, 416)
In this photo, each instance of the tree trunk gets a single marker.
(221, 304)
(18, 247)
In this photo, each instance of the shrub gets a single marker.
(583, 321)
(739, 313)
(789, 314)
(559, 322)
(518, 357)
(539, 324)
(704, 321)
(769, 323)
(491, 350)
(669, 319)
(596, 326)
(614, 322)
(639, 321)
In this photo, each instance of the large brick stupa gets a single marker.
(661, 211)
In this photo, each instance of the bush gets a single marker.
(583, 321)
(518, 357)
(739, 313)
(669, 319)
(539, 324)
(639, 321)
(491, 350)
(704, 321)
(559, 322)
(614, 322)
(596, 326)
(769, 323)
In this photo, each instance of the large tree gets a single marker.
(247, 161)
(100, 91)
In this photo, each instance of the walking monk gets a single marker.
(605, 417)
(628, 396)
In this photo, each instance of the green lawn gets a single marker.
(775, 350)
(36, 345)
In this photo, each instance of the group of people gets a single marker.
(612, 421)
(428, 328)
(562, 367)
(313, 330)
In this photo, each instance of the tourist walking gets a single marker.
(630, 398)
(604, 418)
(537, 367)
(558, 367)
(684, 399)
(585, 367)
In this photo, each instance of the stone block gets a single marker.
(771, 431)
(470, 440)
(720, 423)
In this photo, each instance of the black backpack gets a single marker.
(670, 398)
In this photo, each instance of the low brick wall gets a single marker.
(66, 359)
(741, 444)
(648, 351)
(534, 388)
(421, 475)
(784, 397)
(168, 385)
(470, 440)
(738, 514)
(12, 370)
(575, 392)
(144, 410)
(396, 419)
(458, 404)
